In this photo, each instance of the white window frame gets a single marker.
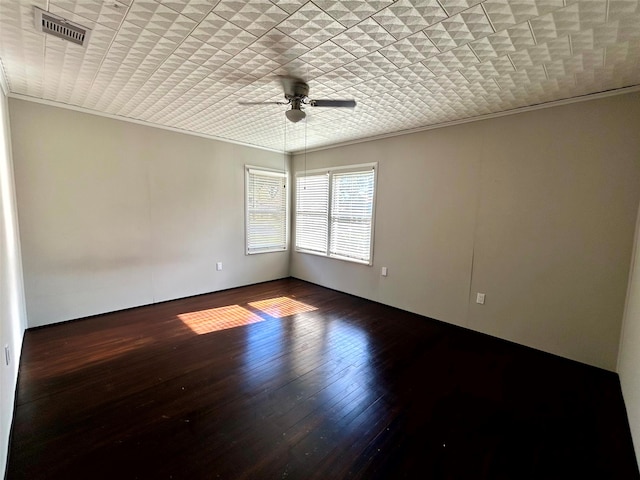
(330, 172)
(249, 170)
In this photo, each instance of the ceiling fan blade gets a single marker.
(293, 86)
(333, 103)
(287, 84)
(263, 103)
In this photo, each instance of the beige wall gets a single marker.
(114, 214)
(629, 358)
(536, 210)
(12, 308)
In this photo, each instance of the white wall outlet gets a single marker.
(383, 272)
(480, 298)
(218, 266)
(7, 355)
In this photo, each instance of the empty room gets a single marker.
(319, 239)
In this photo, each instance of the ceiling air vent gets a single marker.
(60, 27)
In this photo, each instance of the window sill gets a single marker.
(335, 257)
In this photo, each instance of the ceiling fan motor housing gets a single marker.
(299, 90)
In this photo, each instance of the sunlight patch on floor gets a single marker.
(216, 319)
(281, 307)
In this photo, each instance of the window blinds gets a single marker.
(351, 214)
(266, 211)
(334, 213)
(312, 209)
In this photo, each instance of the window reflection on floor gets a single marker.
(350, 385)
(280, 307)
(309, 359)
(307, 339)
(270, 344)
(216, 319)
(266, 345)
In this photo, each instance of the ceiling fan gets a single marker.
(296, 93)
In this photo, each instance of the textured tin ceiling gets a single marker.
(408, 63)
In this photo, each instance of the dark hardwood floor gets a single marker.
(310, 384)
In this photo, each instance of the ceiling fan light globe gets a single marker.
(295, 115)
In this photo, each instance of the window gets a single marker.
(334, 212)
(266, 210)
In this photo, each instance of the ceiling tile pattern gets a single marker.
(405, 17)
(311, 26)
(366, 37)
(351, 12)
(256, 17)
(408, 63)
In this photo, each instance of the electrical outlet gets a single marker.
(384, 271)
(218, 266)
(480, 298)
(7, 355)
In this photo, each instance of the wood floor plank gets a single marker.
(339, 388)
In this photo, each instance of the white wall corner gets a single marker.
(628, 356)
(12, 301)
(632, 272)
